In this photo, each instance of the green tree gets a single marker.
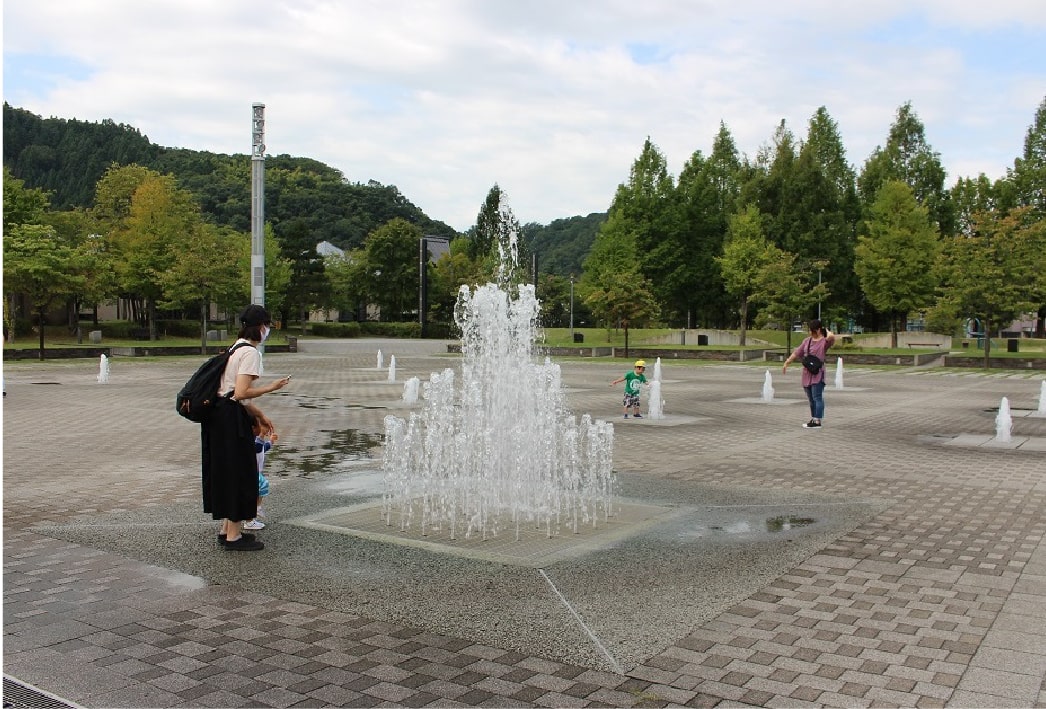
(145, 243)
(1028, 180)
(829, 211)
(998, 271)
(626, 301)
(746, 254)
(453, 270)
(495, 241)
(909, 158)
(785, 289)
(40, 267)
(897, 254)
(1029, 170)
(205, 268)
(389, 266)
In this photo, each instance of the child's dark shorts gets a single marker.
(631, 400)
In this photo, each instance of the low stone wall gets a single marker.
(749, 355)
(996, 362)
(144, 351)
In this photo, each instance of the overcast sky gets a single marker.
(550, 100)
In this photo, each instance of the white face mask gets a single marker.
(264, 332)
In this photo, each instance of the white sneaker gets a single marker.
(253, 525)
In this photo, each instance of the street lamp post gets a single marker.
(258, 203)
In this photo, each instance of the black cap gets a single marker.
(255, 315)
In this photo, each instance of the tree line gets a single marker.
(732, 242)
(735, 241)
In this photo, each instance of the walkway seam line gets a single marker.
(606, 653)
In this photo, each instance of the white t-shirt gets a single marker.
(245, 360)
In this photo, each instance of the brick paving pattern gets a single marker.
(936, 600)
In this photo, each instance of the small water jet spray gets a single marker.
(657, 370)
(655, 404)
(1042, 398)
(103, 370)
(392, 368)
(839, 373)
(381, 360)
(410, 390)
(768, 387)
(1003, 422)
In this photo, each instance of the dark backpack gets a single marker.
(197, 398)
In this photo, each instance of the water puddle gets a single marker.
(787, 522)
(746, 526)
(346, 448)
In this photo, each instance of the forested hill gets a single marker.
(66, 157)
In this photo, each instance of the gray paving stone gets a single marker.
(932, 597)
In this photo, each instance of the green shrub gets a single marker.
(335, 329)
(391, 329)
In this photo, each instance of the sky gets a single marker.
(551, 101)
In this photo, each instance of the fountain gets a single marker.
(656, 405)
(381, 361)
(1042, 398)
(392, 368)
(103, 370)
(657, 370)
(497, 448)
(768, 387)
(1003, 422)
(410, 390)
(839, 373)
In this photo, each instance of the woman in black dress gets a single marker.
(230, 466)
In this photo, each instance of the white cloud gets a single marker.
(551, 100)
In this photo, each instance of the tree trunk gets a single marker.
(40, 321)
(987, 341)
(151, 304)
(203, 326)
(626, 338)
(893, 332)
(744, 319)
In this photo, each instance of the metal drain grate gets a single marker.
(19, 695)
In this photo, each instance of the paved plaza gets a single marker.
(893, 558)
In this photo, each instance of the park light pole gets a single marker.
(258, 204)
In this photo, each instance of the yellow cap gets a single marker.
(640, 363)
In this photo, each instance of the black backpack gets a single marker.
(196, 399)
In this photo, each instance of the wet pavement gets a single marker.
(894, 557)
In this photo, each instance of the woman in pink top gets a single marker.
(816, 344)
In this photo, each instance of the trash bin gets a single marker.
(702, 340)
(579, 337)
(1013, 345)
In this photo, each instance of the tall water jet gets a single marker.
(768, 387)
(839, 373)
(657, 370)
(1042, 398)
(381, 361)
(392, 368)
(103, 370)
(1003, 422)
(497, 447)
(410, 390)
(655, 404)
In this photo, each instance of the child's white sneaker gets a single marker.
(253, 525)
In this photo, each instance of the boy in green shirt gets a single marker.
(633, 381)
